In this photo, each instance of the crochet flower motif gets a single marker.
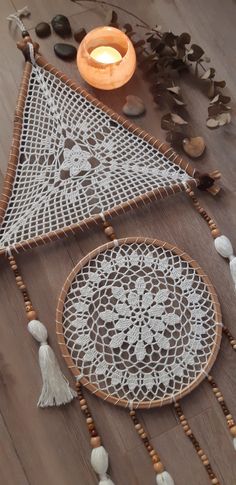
(76, 160)
(138, 318)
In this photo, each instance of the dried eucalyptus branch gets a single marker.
(163, 57)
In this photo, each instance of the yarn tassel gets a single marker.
(99, 462)
(224, 248)
(164, 478)
(56, 389)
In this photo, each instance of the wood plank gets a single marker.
(52, 446)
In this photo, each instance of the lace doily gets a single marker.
(74, 161)
(139, 322)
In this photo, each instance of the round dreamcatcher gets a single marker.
(139, 325)
(140, 321)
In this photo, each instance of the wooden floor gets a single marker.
(51, 447)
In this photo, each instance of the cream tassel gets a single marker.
(224, 248)
(99, 462)
(164, 478)
(56, 389)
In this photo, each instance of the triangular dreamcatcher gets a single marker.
(138, 321)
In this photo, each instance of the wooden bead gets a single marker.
(233, 431)
(186, 427)
(200, 452)
(206, 462)
(141, 431)
(214, 481)
(155, 459)
(89, 420)
(215, 233)
(143, 436)
(229, 416)
(95, 441)
(218, 394)
(152, 453)
(138, 426)
(189, 432)
(158, 467)
(32, 315)
(203, 457)
(132, 413)
(84, 407)
(82, 402)
(109, 231)
(184, 422)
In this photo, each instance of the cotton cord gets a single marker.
(16, 17)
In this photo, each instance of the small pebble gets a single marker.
(43, 30)
(80, 34)
(67, 52)
(134, 106)
(194, 147)
(61, 25)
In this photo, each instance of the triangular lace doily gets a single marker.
(72, 158)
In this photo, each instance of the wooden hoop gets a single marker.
(62, 343)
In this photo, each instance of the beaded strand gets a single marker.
(30, 312)
(230, 337)
(205, 461)
(215, 232)
(95, 439)
(156, 461)
(228, 416)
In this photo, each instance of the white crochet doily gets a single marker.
(74, 162)
(141, 322)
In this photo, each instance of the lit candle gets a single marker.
(106, 54)
(106, 58)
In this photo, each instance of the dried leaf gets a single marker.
(169, 38)
(224, 119)
(195, 53)
(111, 17)
(178, 119)
(183, 39)
(178, 102)
(174, 89)
(209, 74)
(128, 28)
(212, 123)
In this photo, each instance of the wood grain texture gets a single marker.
(51, 447)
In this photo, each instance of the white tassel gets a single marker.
(99, 462)
(224, 248)
(164, 478)
(56, 389)
(234, 443)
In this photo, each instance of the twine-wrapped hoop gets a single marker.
(139, 322)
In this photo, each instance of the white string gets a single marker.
(16, 17)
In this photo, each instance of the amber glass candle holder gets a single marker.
(106, 58)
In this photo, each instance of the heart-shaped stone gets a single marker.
(134, 106)
(194, 147)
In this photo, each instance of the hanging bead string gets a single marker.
(95, 438)
(30, 312)
(185, 425)
(228, 416)
(230, 337)
(99, 456)
(215, 232)
(162, 475)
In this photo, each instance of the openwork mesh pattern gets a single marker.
(139, 322)
(75, 161)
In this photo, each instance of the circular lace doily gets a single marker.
(139, 322)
